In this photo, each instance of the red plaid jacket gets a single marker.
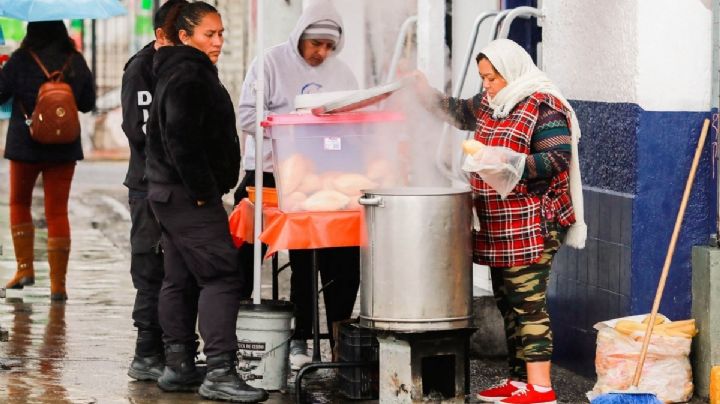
(510, 229)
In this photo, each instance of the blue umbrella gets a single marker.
(50, 10)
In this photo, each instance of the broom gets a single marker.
(633, 395)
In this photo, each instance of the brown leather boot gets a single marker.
(58, 251)
(23, 236)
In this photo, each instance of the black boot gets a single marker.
(149, 361)
(180, 373)
(223, 383)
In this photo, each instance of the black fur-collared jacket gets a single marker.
(192, 138)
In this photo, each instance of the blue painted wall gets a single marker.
(608, 148)
(635, 164)
(592, 284)
(666, 146)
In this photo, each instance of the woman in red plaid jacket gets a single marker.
(520, 233)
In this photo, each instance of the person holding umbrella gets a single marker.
(21, 78)
(193, 158)
(146, 264)
(304, 64)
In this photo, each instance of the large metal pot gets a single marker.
(416, 269)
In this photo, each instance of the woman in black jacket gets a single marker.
(193, 158)
(20, 79)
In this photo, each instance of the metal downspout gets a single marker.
(404, 28)
(469, 51)
(461, 84)
(523, 12)
(496, 23)
(504, 20)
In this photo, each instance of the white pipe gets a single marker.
(259, 116)
(459, 174)
(398, 46)
(503, 17)
(523, 12)
(469, 51)
(493, 31)
(496, 23)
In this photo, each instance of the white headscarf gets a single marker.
(523, 79)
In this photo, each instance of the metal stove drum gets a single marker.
(416, 290)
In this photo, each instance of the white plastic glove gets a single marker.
(499, 167)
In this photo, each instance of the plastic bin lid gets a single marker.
(341, 118)
(361, 98)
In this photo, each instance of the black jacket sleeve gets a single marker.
(83, 84)
(6, 80)
(461, 112)
(135, 96)
(185, 106)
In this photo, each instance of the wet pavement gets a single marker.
(78, 351)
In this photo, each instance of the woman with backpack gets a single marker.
(46, 49)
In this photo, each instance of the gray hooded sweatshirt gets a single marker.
(287, 75)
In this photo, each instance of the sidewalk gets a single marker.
(78, 352)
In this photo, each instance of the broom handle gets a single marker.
(668, 257)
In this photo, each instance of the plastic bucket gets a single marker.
(263, 333)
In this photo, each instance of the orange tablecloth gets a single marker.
(298, 230)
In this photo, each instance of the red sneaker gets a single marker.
(500, 391)
(528, 395)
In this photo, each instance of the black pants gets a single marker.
(340, 276)
(247, 250)
(201, 270)
(146, 265)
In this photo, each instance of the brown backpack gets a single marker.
(55, 117)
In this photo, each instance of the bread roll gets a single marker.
(293, 201)
(471, 146)
(293, 171)
(351, 183)
(310, 184)
(326, 200)
(328, 179)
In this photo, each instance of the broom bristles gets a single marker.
(626, 398)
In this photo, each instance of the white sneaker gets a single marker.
(298, 354)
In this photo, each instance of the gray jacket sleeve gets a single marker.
(246, 106)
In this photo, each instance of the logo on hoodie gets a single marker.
(310, 88)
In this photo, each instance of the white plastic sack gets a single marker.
(499, 167)
(666, 373)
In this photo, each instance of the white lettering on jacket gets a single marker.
(144, 98)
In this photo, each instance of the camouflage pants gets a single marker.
(520, 294)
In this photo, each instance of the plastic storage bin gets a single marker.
(323, 162)
(269, 195)
(358, 345)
